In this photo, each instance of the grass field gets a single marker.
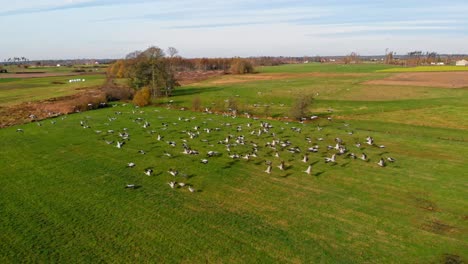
(14, 91)
(446, 68)
(63, 194)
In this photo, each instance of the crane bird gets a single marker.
(191, 189)
(148, 172)
(364, 157)
(131, 165)
(381, 162)
(268, 170)
(130, 186)
(204, 161)
(332, 159)
(390, 159)
(120, 144)
(281, 166)
(172, 184)
(308, 170)
(173, 172)
(305, 159)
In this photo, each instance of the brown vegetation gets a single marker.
(300, 107)
(142, 97)
(431, 79)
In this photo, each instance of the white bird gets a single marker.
(159, 137)
(364, 156)
(131, 164)
(172, 184)
(19, 130)
(142, 152)
(173, 172)
(181, 184)
(191, 189)
(332, 159)
(277, 155)
(120, 144)
(204, 161)
(281, 166)
(305, 159)
(381, 162)
(268, 170)
(308, 170)
(130, 186)
(390, 159)
(109, 142)
(148, 172)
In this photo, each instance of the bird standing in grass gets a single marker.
(381, 162)
(308, 170)
(148, 172)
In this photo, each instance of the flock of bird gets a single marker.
(252, 140)
(249, 139)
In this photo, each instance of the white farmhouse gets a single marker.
(462, 63)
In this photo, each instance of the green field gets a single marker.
(63, 196)
(14, 91)
(446, 68)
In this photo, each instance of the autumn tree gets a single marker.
(151, 69)
(241, 66)
(352, 58)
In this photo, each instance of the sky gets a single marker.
(71, 29)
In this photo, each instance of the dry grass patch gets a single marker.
(232, 78)
(427, 79)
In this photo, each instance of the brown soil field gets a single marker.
(235, 78)
(428, 79)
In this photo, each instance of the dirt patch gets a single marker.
(437, 227)
(427, 79)
(451, 259)
(23, 113)
(240, 78)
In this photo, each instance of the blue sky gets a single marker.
(42, 29)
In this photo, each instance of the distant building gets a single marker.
(462, 63)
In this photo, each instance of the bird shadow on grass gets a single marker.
(319, 173)
(286, 175)
(383, 153)
(313, 163)
(135, 187)
(344, 164)
(188, 176)
(192, 91)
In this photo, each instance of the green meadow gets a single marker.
(63, 195)
(14, 91)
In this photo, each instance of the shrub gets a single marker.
(300, 107)
(117, 93)
(240, 66)
(142, 97)
(196, 103)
